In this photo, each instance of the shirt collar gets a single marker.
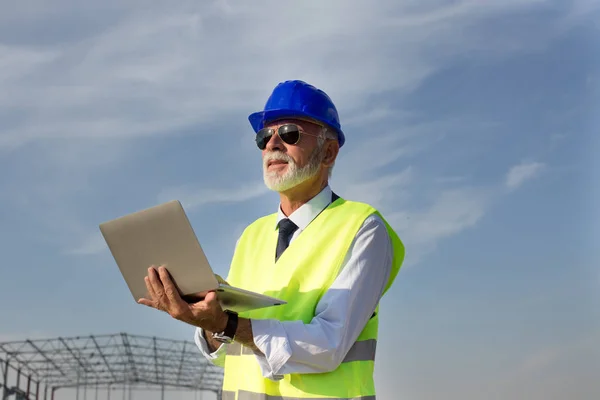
(304, 215)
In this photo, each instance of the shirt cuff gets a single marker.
(203, 346)
(271, 339)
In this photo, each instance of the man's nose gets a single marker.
(275, 143)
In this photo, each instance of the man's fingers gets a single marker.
(149, 288)
(167, 283)
(156, 290)
(164, 294)
(146, 302)
(171, 291)
(155, 280)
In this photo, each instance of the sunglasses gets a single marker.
(289, 133)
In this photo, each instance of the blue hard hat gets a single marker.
(296, 98)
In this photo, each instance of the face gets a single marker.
(287, 165)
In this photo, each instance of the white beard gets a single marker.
(293, 175)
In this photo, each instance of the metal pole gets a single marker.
(162, 392)
(5, 381)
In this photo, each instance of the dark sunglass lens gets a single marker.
(262, 138)
(289, 133)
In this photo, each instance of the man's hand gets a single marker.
(206, 314)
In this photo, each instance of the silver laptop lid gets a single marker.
(160, 235)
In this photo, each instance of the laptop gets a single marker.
(163, 235)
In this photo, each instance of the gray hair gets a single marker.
(327, 133)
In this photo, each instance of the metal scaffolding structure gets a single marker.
(38, 368)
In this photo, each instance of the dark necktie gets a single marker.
(286, 229)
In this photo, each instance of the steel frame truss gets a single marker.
(109, 361)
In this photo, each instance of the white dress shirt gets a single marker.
(341, 314)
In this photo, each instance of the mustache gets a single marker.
(277, 156)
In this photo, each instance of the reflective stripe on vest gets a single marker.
(360, 351)
(244, 395)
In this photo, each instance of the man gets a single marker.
(329, 258)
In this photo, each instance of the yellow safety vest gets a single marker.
(301, 276)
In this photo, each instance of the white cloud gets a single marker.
(539, 361)
(521, 173)
(451, 212)
(555, 372)
(166, 68)
(545, 358)
(18, 62)
(93, 244)
(94, 97)
(424, 213)
(191, 196)
(378, 191)
(451, 179)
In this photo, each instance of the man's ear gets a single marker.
(332, 148)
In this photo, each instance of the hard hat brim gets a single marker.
(258, 120)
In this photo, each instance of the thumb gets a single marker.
(211, 297)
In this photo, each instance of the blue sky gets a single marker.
(468, 124)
